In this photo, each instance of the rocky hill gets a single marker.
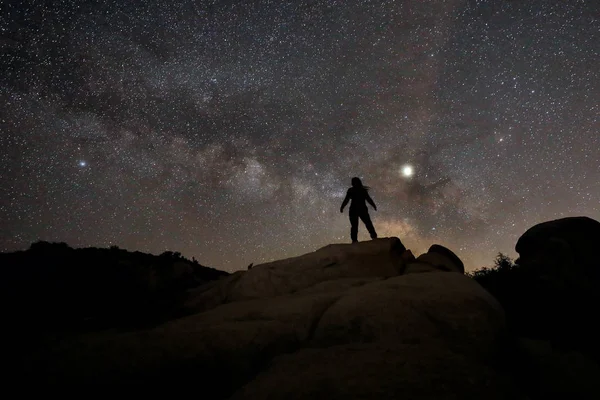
(53, 287)
(348, 321)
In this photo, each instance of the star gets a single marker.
(407, 171)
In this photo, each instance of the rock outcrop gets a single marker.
(560, 265)
(380, 258)
(346, 321)
(551, 299)
(562, 243)
(437, 258)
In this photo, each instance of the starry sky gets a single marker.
(229, 131)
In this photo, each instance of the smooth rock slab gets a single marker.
(375, 258)
(426, 370)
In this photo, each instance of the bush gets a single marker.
(503, 264)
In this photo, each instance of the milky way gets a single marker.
(229, 131)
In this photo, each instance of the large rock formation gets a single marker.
(560, 275)
(562, 243)
(551, 299)
(363, 320)
(380, 258)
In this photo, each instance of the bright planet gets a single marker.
(408, 171)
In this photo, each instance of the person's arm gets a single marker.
(346, 200)
(371, 202)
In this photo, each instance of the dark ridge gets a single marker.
(52, 287)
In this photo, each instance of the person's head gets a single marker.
(356, 182)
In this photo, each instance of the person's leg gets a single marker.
(354, 227)
(366, 218)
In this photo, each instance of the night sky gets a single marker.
(229, 131)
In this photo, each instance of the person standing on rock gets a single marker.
(359, 195)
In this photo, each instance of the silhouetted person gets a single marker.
(359, 195)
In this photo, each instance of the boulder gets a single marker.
(375, 258)
(353, 327)
(380, 257)
(554, 293)
(415, 308)
(384, 257)
(374, 371)
(564, 243)
(437, 258)
(546, 372)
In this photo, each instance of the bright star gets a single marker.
(407, 171)
(82, 163)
